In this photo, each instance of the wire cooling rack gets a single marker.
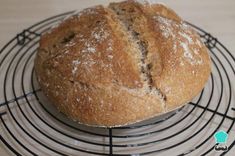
(32, 126)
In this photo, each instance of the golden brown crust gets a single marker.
(119, 65)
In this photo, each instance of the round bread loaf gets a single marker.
(117, 65)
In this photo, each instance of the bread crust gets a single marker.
(97, 72)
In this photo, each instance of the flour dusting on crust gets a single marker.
(180, 34)
(75, 66)
(99, 35)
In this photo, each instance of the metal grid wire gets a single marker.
(32, 126)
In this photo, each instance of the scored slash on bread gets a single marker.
(117, 65)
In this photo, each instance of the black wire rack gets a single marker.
(32, 126)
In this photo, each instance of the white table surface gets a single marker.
(215, 16)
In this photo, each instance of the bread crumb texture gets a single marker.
(121, 64)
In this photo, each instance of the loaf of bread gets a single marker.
(121, 64)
